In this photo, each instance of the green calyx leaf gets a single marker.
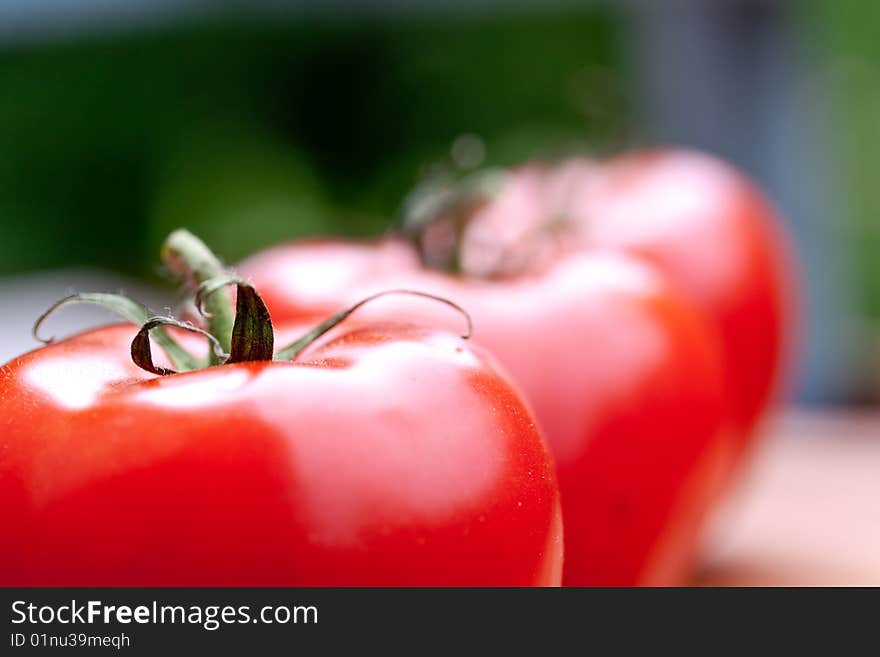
(447, 201)
(293, 350)
(253, 337)
(134, 312)
(141, 353)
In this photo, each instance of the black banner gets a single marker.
(410, 621)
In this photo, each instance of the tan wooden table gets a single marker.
(807, 512)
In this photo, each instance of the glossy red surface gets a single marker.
(718, 239)
(385, 456)
(622, 374)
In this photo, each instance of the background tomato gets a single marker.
(718, 239)
(333, 470)
(699, 221)
(621, 373)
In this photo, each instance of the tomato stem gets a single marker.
(188, 257)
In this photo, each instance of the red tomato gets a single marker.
(622, 374)
(717, 238)
(386, 456)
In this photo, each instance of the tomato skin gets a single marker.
(708, 228)
(623, 376)
(333, 470)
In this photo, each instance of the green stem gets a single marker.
(187, 256)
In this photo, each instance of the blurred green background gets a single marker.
(250, 132)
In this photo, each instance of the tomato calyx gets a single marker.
(234, 336)
(253, 337)
(435, 214)
(445, 218)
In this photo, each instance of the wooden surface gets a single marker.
(807, 510)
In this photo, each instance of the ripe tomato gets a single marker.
(706, 227)
(622, 374)
(387, 455)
